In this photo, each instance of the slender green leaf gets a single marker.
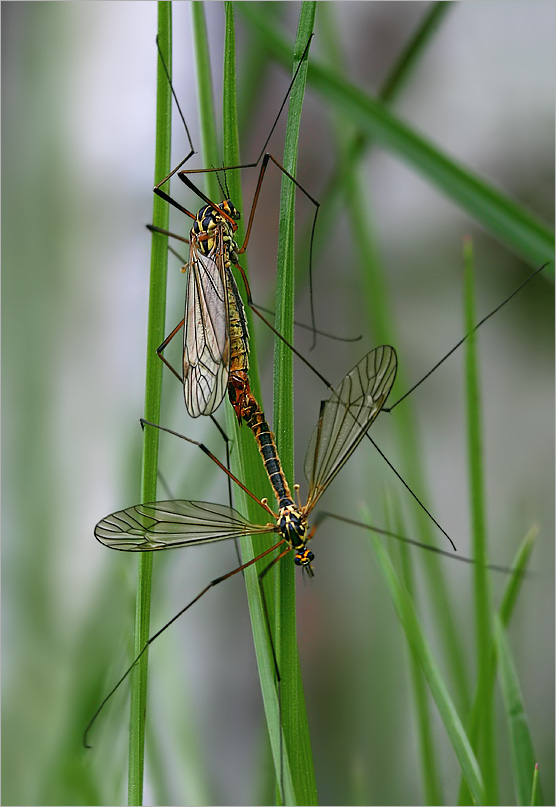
(429, 763)
(419, 647)
(408, 60)
(246, 460)
(153, 389)
(507, 606)
(294, 716)
(381, 317)
(521, 744)
(205, 97)
(535, 787)
(298, 783)
(515, 582)
(484, 748)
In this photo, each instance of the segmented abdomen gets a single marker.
(255, 419)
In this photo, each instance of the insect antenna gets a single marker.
(175, 97)
(183, 176)
(226, 186)
(225, 192)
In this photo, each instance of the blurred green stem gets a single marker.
(153, 390)
(485, 749)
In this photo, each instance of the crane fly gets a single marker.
(215, 334)
(344, 419)
(211, 288)
(215, 331)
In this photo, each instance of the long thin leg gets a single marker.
(467, 335)
(160, 230)
(323, 515)
(419, 502)
(182, 175)
(265, 144)
(209, 454)
(231, 167)
(226, 439)
(191, 149)
(262, 575)
(267, 157)
(164, 345)
(254, 305)
(174, 203)
(230, 496)
(212, 583)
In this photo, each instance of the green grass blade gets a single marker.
(352, 150)
(499, 214)
(294, 717)
(485, 747)
(414, 50)
(535, 798)
(252, 473)
(507, 607)
(205, 96)
(429, 767)
(153, 389)
(419, 647)
(521, 744)
(246, 461)
(515, 582)
(381, 318)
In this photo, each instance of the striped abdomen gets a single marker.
(247, 409)
(255, 419)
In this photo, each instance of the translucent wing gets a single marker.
(165, 525)
(345, 418)
(206, 340)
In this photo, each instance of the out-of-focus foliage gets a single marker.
(78, 103)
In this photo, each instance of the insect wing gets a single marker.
(345, 418)
(165, 525)
(206, 345)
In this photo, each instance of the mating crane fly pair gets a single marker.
(215, 359)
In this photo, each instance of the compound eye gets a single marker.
(233, 211)
(298, 560)
(310, 557)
